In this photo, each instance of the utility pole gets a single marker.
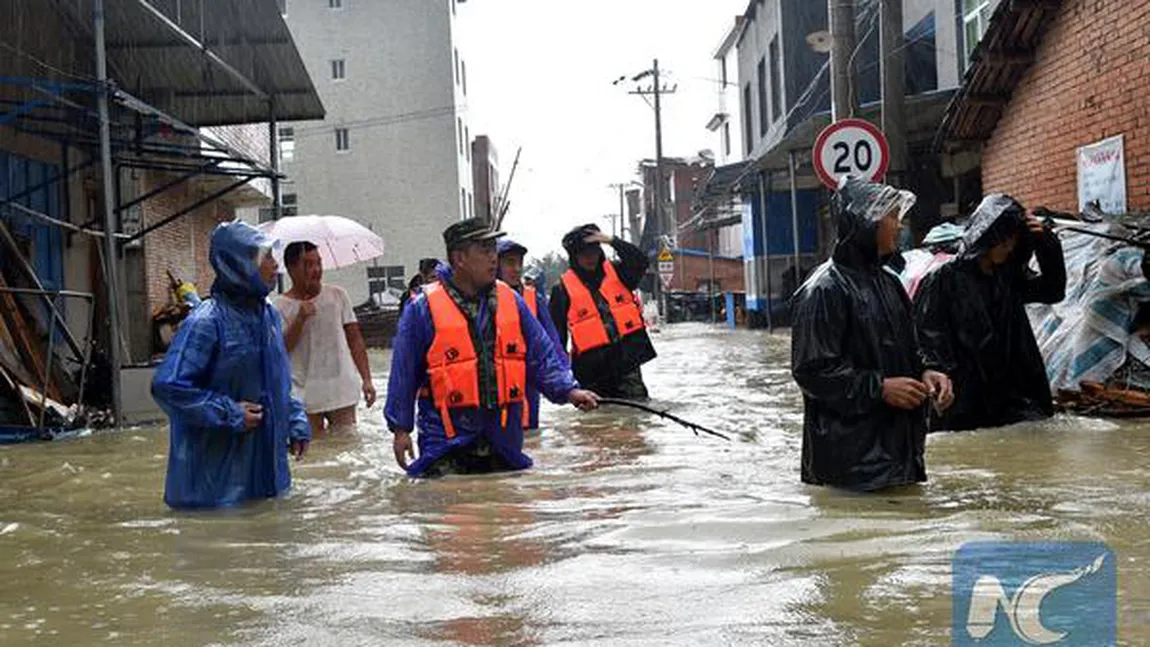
(622, 211)
(844, 97)
(657, 89)
(894, 87)
(111, 249)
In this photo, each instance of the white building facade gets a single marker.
(394, 152)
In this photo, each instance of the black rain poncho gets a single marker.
(973, 325)
(853, 328)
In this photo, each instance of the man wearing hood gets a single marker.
(225, 384)
(854, 355)
(595, 303)
(511, 256)
(427, 276)
(466, 350)
(972, 321)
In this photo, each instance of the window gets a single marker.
(723, 72)
(342, 139)
(463, 75)
(463, 202)
(335, 4)
(467, 138)
(975, 16)
(382, 279)
(764, 118)
(338, 69)
(457, 67)
(776, 86)
(748, 120)
(290, 204)
(727, 138)
(459, 122)
(453, 7)
(286, 143)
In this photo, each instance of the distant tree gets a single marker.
(552, 265)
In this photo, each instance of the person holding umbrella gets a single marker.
(511, 256)
(465, 353)
(330, 368)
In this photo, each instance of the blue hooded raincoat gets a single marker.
(230, 349)
(547, 371)
(544, 307)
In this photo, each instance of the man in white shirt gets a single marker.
(328, 356)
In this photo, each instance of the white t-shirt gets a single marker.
(324, 375)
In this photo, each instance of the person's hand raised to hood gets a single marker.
(598, 237)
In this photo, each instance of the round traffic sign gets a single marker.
(850, 147)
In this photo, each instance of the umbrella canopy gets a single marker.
(341, 241)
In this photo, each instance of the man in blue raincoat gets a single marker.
(466, 350)
(225, 384)
(511, 256)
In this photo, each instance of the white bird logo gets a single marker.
(1024, 609)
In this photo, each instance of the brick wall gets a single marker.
(182, 245)
(691, 270)
(1090, 81)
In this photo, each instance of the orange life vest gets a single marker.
(531, 297)
(453, 363)
(588, 330)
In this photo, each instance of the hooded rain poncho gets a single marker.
(229, 350)
(852, 330)
(973, 325)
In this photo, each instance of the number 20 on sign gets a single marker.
(850, 147)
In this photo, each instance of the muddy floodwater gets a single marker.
(628, 531)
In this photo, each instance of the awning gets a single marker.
(1003, 56)
(207, 62)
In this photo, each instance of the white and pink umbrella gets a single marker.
(341, 241)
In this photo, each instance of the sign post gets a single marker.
(666, 267)
(850, 147)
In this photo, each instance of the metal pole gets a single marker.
(622, 212)
(111, 273)
(277, 189)
(894, 87)
(711, 236)
(766, 251)
(795, 223)
(842, 19)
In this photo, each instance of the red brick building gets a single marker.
(1047, 79)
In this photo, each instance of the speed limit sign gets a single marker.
(850, 147)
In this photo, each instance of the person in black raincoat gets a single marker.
(613, 369)
(972, 321)
(854, 353)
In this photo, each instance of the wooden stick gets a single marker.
(663, 414)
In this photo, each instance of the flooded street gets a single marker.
(629, 530)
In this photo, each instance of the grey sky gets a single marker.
(539, 76)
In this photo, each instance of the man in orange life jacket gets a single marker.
(595, 304)
(511, 256)
(467, 349)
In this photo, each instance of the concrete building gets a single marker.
(727, 124)
(1048, 80)
(705, 258)
(186, 150)
(784, 102)
(394, 151)
(485, 177)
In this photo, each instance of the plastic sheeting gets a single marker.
(1087, 337)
